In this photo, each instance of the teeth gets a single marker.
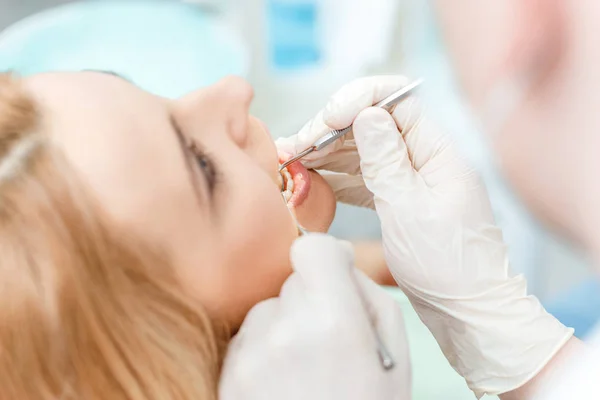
(287, 174)
(280, 181)
(288, 195)
(287, 180)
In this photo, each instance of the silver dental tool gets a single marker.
(301, 230)
(385, 358)
(388, 104)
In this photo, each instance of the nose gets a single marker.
(225, 104)
(220, 113)
(236, 95)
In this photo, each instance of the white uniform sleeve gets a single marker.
(579, 378)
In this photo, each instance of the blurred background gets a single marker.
(296, 53)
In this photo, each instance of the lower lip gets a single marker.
(301, 179)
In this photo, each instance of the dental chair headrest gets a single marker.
(167, 48)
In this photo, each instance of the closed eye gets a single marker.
(206, 165)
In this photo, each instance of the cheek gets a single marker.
(260, 147)
(255, 239)
(261, 221)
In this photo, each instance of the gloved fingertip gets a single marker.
(306, 244)
(373, 113)
(374, 123)
(383, 152)
(338, 117)
(286, 145)
(408, 112)
(355, 96)
(321, 259)
(348, 247)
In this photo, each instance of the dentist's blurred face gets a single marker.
(197, 177)
(548, 146)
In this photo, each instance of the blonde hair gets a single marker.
(86, 312)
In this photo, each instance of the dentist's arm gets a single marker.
(553, 376)
(315, 341)
(439, 236)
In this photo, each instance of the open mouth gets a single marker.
(296, 182)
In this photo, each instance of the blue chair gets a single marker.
(167, 48)
(578, 308)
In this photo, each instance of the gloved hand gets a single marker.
(440, 239)
(339, 163)
(314, 341)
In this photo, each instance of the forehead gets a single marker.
(99, 117)
(118, 137)
(69, 100)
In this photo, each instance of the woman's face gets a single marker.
(196, 176)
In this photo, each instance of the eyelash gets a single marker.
(206, 165)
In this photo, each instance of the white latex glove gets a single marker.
(314, 341)
(440, 239)
(339, 162)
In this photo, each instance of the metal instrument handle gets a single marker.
(331, 137)
(388, 104)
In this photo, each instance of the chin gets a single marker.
(317, 211)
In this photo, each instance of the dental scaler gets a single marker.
(388, 104)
